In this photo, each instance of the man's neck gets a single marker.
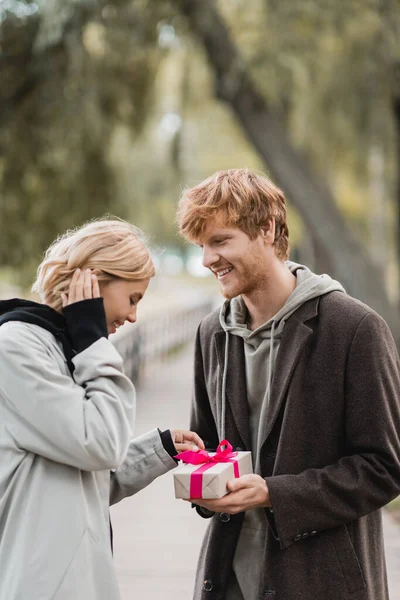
(264, 302)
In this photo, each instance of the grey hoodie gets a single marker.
(261, 348)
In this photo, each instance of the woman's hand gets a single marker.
(186, 440)
(83, 286)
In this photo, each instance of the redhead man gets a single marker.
(308, 379)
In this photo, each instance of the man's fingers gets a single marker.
(243, 482)
(235, 485)
(224, 504)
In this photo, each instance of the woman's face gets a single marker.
(121, 298)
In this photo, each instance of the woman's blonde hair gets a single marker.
(240, 198)
(111, 247)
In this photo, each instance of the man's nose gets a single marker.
(210, 257)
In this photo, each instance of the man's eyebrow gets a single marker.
(219, 235)
(214, 237)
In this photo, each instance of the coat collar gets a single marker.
(293, 340)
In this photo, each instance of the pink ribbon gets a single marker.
(203, 458)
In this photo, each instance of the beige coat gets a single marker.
(59, 439)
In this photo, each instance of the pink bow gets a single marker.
(202, 457)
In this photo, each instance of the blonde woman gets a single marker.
(66, 415)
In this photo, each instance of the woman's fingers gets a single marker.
(79, 286)
(87, 285)
(191, 436)
(182, 437)
(184, 447)
(95, 286)
(84, 286)
(73, 292)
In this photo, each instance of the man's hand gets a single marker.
(186, 440)
(248, 491)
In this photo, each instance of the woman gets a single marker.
(66, 412)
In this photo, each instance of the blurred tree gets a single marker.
(390, 13)
(289, 167)
(110, 106)
(71, 71)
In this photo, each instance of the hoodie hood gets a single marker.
(41, 315)
(27, 311)
(234, 315)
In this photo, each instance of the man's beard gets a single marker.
(239, 289)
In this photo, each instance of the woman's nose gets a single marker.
(132, 316)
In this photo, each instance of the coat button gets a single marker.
(268, 594)
(313, 532)
(305, 535)
(207, 585)
(297, 538)
(224, 517)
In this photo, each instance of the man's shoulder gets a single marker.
(340, 306)
(211, 323)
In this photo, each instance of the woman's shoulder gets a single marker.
(25, 336)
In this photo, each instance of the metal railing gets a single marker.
(154, 339)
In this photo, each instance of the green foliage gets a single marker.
(72, 72)
(109, 106)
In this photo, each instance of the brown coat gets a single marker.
(330, 455)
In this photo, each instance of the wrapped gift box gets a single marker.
(209, 479)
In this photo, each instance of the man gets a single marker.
(308, 379)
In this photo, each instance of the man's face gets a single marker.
(239, 263)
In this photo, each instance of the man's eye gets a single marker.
(133, 302)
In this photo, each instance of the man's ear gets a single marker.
(268, 231)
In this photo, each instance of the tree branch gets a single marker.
(311, 196)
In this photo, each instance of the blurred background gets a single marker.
(114, 106)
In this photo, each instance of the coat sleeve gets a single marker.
(202, 420)
(84, 423)
(368, 476)
(146, 460)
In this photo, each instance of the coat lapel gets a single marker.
(236, 394)
(293, 341)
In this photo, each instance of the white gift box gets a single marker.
(213, 479)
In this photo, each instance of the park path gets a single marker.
(156, 537)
